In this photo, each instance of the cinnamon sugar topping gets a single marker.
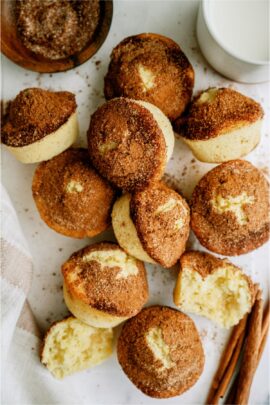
(217, 111)
(104, 277)
(161, 218)
(230, 208)
(56, 29)
(71, 197)
(153, 68)
(161, 352)
(126, 145)
(35, 113)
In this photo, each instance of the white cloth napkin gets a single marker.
(24, 379)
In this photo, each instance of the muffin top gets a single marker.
(214, 288)
(71, 197)
(161, 217)
(35, 113)
(161, 352)
(206, 264)
(152, 68)
(126, 144)
(104, 277)
(230, 208)
(216, 111)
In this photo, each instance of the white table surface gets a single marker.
(107, 383)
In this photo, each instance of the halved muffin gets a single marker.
(213, 288)
(152, 68)
(103, 286)
(71, 197)
(40, 124)
(230, 208)
(221, 124)
(152, 225)
(160, 351)
(70, 346)
(130, 142)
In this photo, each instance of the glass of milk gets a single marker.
(234, 37)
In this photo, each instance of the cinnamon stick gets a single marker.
(226, 357)
(231, 395)
(251, 351)
(265, 330)
(221, 390)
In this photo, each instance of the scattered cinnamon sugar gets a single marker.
(172, 181)
(35, 113)
(56, 29)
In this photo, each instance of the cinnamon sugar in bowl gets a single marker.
(51, 35)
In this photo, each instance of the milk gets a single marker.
(241, 27)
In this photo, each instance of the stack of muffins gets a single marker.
(149, 88)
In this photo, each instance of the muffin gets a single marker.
(220, 125)
(40, 124)
(130, 142)
(230, 208)
(160, 351)
(103, 286)
(70, 346)
(70, 195)
(152, 68)
(213, 288)
(152, 225)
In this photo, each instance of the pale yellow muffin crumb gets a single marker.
(70, 346)
(213, 288)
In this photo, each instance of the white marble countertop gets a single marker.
(106, 383)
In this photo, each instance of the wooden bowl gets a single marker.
(13, 48)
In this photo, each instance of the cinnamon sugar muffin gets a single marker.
(71, 196)
(152, 68)
(103, 286)
(40, 124)
(213, 288)
(130, 142)
(220, 125)
(160, 351)
(152, 225)
(230, 208)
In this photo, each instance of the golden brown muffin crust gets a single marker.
(126, 144)
(99, 287)
(144, 369)
(71, 197)
(221, 232)
(174, 75)
(35, 113)
(161, 217)
(228, 111)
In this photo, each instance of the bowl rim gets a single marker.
(207, 20)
